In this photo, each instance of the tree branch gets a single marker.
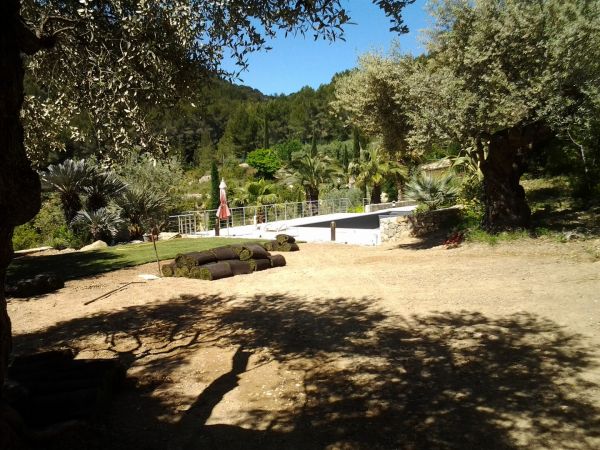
(29, 42)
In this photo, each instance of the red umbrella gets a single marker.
(223, 212)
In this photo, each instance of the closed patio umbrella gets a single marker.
(223, 212)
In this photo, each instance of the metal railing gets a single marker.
(193, 222)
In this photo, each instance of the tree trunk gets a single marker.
(505, 203)
(19, 184)
(376, 194)
(313, 197)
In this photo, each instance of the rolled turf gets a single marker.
(168, 270)
(285, 247)
(214, 271)
(268, 246)
(182, 272)
(277, 261)
(194, 259)
(285, 238)
(253, 251)
(261, 264)
(224, 253)
(239, 267)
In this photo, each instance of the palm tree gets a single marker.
(101, 188)
(68, 179)
(311, 172)
(373, 169)
(258, 193)
(431, 191)
(141, 207)
(101, 224)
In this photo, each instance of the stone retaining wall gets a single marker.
(396, 228)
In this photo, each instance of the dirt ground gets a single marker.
(397, 347)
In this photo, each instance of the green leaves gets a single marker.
(431, 191)
(265, 161)
(116, 59)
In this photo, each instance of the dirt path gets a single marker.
(347, 347)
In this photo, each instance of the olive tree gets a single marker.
(503, 77)
(500, 78)
(375, 98)
(96, 65)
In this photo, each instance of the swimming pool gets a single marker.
(369, 221)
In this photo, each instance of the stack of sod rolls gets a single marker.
(222, 262)
(282, 243)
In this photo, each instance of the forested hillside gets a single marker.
(227, 121)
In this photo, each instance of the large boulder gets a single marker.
(94, 246)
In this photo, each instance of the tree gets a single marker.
(266, 131)
(355, 144)
(375, 99)
(345, 161)
(69, 179)
(214, 186)
(265, 161)
(311, 172)
(109, 60)
(374, 168)
(504, 77)
(261, 192)
(143, 208)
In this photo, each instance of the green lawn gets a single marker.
(83, 264)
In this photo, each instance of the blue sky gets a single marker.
(295, 62)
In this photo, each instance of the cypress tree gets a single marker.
(313, 148)
(214, 186)
(345, 161)
(265, 131)
(355, 144)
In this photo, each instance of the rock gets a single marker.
(32, 250)
(164, 236)
(94, 246)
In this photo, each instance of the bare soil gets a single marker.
(399, 347)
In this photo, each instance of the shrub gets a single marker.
(354, 196)
(26, 236)
(431, 191)
(101, 224)
(142, 209)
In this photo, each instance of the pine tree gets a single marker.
(214, 186)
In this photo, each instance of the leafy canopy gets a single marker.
(113, 60)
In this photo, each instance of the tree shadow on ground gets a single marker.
(69, 265)
(426, 242)
(371, 380)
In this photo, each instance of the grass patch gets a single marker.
(481, 236)
(70, 266)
